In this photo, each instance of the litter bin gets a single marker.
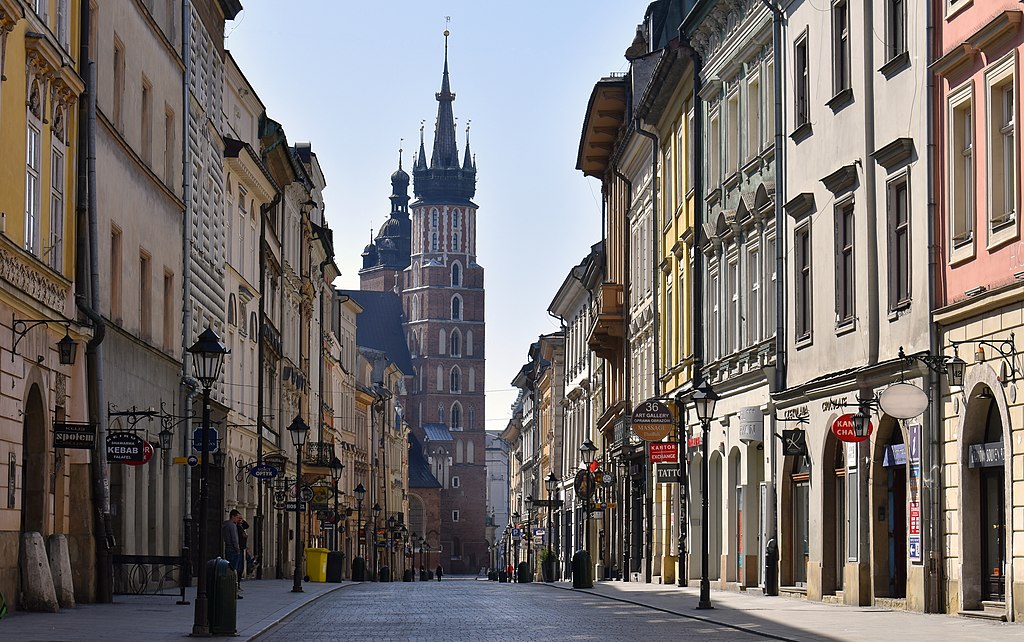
(359, 570)
(335, 566)
(771, 568)
(316, 564)
(222, 593)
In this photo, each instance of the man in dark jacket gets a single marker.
(232, 549)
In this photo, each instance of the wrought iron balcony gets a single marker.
(318, 453)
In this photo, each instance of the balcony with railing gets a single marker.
(609, 327)
(318, 453)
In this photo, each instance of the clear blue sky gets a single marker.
(354, 81)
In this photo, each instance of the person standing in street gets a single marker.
(232, 550)
(438, 572)
(243, 548)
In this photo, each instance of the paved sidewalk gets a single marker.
(797, 619)
(156, 618)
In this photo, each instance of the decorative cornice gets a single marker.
(895, 153)
(26, 273)
(842, 180)
(800, 205)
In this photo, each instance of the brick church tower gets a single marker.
(426, 253)
(443, 296)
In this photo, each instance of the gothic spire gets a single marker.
(421, 158)
(446, 153)
(467, 161)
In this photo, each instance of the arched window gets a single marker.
(456, 344)
(469, 452)
(433, 218)
(456, 308)
(433, 242)
(458, 443)
(456, 275)
(440, 413)
(455, 218)
(414, 309)
(472, 417)
(232, 313)
(455, 241)
(457, 425)
(252, 326)
(440, 378)
(456, 379)
(472, 379)
(442, 341)
(469, 343)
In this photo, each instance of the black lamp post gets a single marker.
(376, 555)
(587, 451)
(550, 482)
(336, 469)
(298, 430)
(423, 542)
(704, 399)
(207, 360)
(359, 564)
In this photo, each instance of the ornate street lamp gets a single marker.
(207, 360)
(704, 398)
(548, 567)
(336, 469)
(375, 509)
(298, 430)
(359, 569)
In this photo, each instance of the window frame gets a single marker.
(845, 226)
(900, 282)
(803, 285)
(959, 101)
(895, 29)
(1001, 225)
(842, 75)
(801, 81)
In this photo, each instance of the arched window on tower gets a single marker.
(455, 218)
(469, 343)
(433, 218)
(433, 242)
(456, 308)
(440, 413)
(457, 420)
(472, 379)
(469, 452)
(442, 341)
(456, 380)
(455, 241)
(440, 378)
(472, 418)
(458, 442)
(456, 344)
(456, 275)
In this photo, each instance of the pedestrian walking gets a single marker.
(232, 550)
(438, 571)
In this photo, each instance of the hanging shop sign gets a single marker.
(68, 434)
(894, 455)
(295, 506)
(751, 421)
(212, 439)
(584, 484)
(794, 443)
(664, 452)
(903, 400)
(263, 471)
(666, 473)
(124, 446)
(652, 420)
(843, 429)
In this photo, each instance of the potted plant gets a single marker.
(547, 564)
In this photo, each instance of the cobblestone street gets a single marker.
(465, 609)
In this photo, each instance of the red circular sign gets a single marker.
(147, 454)
(843, 429)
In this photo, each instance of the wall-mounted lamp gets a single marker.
(67, 347)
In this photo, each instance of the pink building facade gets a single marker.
(979, 302)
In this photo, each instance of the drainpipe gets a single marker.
(780, 279)
(873, 308)
(189, 386)
(627, 351)
(934, 599)
(87, 247)
(649, 503)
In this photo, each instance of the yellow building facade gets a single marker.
(45, 490)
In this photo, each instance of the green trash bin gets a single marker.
(316, 564)
(581, 570)
(222, 593)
